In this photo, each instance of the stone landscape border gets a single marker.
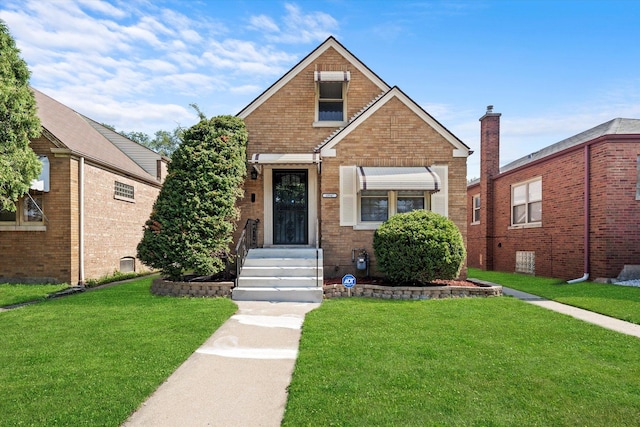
(191, 289)
(223, 289)
(412, 292)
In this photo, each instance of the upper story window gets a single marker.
(476, 209)
(331, 89)
(526, 203)
(330, 102)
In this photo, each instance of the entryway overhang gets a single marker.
(398, 178)
(285, 159)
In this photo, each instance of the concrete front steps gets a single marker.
(281, 274)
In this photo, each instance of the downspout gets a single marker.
(587, 191)
(81, 280)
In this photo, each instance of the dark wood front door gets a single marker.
(290, 207)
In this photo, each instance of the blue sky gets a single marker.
(553, 68)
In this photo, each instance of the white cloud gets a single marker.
(264, 23)
(297, 26)
(137, 65)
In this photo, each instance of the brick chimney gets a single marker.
(490, 143)
(489, 169)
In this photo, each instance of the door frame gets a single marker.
(312, 202)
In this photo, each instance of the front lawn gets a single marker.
(460, 362)
(11, 294)
(621, 302)
(93, 358)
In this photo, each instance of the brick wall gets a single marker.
(113, 227)
(46, 255)
(559, 243)
(615, 212)
(374, 144)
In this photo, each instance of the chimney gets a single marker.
(489, 169)
(490, 144)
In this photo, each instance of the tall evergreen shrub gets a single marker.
(19, 122)
(418, 247)
(191, 226)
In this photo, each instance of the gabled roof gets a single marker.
(612, 127)
(460, 148)
(330, 42)
(79, 134)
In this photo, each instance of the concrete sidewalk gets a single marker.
(585, 315)
(238, 377)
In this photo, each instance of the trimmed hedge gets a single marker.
(418, 247)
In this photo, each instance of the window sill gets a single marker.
(475, 223)
(124, 199)
(519, 226)
(328, 124)
(23, 228)
(367, 226)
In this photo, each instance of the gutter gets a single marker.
(587, 192)
(81, 278)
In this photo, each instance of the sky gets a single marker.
(552, 68)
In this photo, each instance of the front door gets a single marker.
(290, 207)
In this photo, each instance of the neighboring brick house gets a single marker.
(333, 151)
(83, 218)
(568, 210)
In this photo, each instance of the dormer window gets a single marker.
(331, 89)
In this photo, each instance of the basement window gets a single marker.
(124, 192)
(526, 262)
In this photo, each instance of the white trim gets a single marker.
(313, 56)
(398, 178)
(460, 150)
(332, 76)
(23, 228)
(282, 159)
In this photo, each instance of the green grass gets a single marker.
(621, 302)
(460, 362)
(11, 294)
(92, 358)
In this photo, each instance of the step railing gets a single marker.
(248, 240)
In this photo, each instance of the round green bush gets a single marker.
(418, 247)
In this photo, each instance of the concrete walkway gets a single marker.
(239, 377)
(588, 316)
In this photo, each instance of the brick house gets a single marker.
(569, 210)
(334, 151)
(83, 218)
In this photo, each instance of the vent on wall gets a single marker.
(526, 262)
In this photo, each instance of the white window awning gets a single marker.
(285, 159)
(332, 76)
(398, 178)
